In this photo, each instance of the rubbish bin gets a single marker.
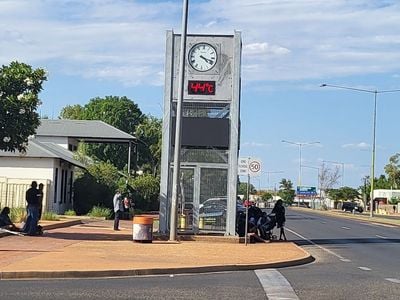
(142, 229)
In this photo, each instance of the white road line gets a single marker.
(275, 285)
(345, 260)
(364, 268)
(344, 227)
(323, 222)
(394, 280)
(316, 245)
(384, 225)
(381, 236)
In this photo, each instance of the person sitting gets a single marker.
(5, 221)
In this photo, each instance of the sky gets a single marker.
(96, 48)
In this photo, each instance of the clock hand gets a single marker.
(209, 61)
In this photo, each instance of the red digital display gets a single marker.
(200, 87)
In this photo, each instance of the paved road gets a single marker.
(354, 259)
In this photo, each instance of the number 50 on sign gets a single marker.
(249, 166)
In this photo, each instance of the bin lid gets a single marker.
(144, 220)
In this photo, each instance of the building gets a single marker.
(49, 159)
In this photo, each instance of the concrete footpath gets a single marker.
(72, 249)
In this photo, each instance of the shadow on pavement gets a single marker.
(89, 236)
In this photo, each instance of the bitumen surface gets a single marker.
(74, 248)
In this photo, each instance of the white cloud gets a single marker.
(361, 145)
(264, 48)
(282, 40)
(255, 144)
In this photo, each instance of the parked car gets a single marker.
(352, 206)
(216, 207)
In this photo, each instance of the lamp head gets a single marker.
(323, 85)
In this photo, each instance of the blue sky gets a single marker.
(116, 47)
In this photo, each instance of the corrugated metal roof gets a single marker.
(86, 130)
(38, 149)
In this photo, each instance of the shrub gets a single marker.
(70, 212)
(50, 216)
(17, 214)
(324, 207)
(100, 212)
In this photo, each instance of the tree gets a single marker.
(149, 143)
(119, 112)
(95, 186)
(147, 189)
(73, 112)
(286, 191)
(382, 183)
(343, 193)
(242, 189)
(392, 169)
(328, 178)
(266, 196)
(19, 89)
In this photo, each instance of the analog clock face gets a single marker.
(202, 57)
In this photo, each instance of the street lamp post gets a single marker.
(300, 146)
(178, 125)
(375, 92)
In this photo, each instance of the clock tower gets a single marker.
(210, 133)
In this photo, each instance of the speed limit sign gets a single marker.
(254, 167)
(249, 166)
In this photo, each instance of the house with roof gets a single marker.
(49, 159)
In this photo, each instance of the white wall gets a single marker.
(27, 168)
(61, 141)
(42, 170)
(388, 194)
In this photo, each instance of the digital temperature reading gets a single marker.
(199, 87)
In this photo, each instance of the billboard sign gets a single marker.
(306, 191)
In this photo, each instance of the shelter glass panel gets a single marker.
(213, 199)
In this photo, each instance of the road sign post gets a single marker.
(249, 167)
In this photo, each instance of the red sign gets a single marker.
(200, 87)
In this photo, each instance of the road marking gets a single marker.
(364, 268)
(316, 245)
(394, 280)
(384, 225)
(381, 236)
(323, 222)
(344, 227)
(345, 260)
(275, 285)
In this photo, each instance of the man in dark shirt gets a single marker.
(32, 199)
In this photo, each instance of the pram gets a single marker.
(265, 224)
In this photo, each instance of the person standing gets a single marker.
(40, 200)
(118, 209)
(31, 197)
(279, 211)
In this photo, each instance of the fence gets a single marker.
(12, 191)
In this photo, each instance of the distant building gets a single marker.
(386, 195)
(49, 160)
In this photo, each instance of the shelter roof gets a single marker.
(38, 149)
(94, 131)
